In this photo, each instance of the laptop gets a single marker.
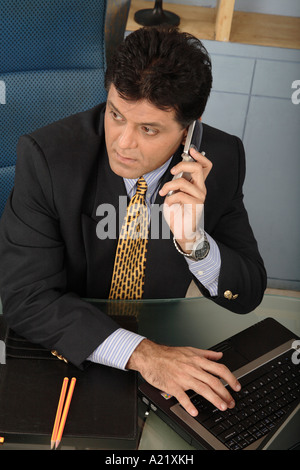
(286, 435)
(265, 360)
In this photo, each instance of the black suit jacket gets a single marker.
(51, 256)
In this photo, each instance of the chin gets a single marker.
(122, 171)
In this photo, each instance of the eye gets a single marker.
(116, 116)
(149, 130)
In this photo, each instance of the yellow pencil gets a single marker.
(59, 411)
(65, 413)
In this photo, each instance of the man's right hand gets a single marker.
(174, 370)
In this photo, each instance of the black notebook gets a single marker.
(103, 411)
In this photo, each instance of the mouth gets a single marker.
(123, 159)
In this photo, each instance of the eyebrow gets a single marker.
(150, 124)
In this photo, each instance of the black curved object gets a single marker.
(156, 16)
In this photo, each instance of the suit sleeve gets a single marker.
(33, 290)
(242, 271)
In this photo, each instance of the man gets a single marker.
(52, 256)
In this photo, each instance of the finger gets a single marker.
(207, 353)
(187, 167)
(181, 185)
(196, 172)
(221, 371)
(218, 394)
(204, 161)
(195, 178)
(184, 400)
(207, 392)
(190, 165)
(187, 202)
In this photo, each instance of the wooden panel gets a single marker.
(246, 28)
(196, 20)
(225, 10)
(265, 30)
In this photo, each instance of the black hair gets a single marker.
(169, 68)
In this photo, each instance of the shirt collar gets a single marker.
(152, 179)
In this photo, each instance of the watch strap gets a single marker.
(195, 246)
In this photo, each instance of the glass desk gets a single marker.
(200, 323)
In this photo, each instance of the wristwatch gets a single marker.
(200, 248)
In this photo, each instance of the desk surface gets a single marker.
(201, 323)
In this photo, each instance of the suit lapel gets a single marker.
(100, 223)
(109, 186)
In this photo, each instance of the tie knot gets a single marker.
(141, 187)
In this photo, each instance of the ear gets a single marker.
(184, 136)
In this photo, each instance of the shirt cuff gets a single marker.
(116, 350)
(207, 270)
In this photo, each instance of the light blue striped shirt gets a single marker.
(116, 350)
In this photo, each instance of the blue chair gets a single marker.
(52, 63)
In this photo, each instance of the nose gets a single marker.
(127, 139)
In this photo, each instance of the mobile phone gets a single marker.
(194, 136)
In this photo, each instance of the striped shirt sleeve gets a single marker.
(207, 270)
(116, 350)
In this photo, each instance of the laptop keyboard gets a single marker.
(267, 394)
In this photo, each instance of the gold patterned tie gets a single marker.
(129, 268)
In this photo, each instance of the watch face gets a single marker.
(202, 250)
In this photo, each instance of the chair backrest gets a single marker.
(52, 64)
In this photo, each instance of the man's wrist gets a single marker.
(143, 353)
(196, 249)
(134, 362)
(186, 246)
(183, 246)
